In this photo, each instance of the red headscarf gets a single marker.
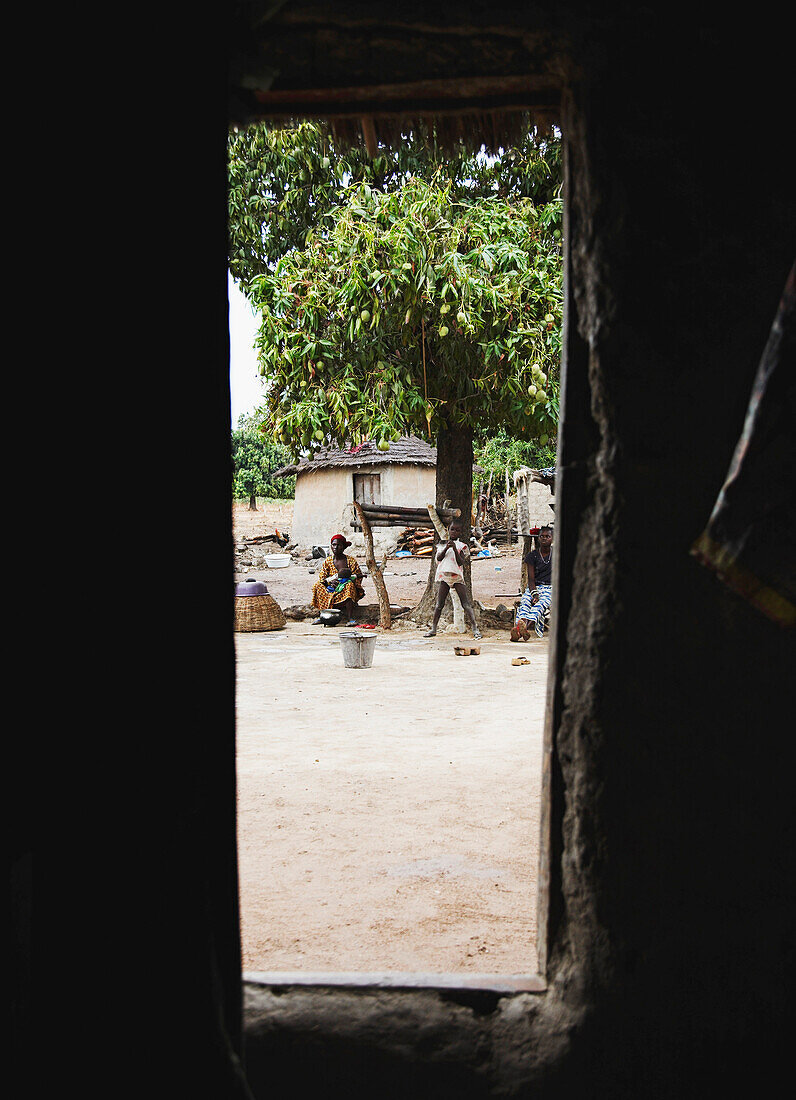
(342, 538)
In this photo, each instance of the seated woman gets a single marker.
(534, 609)
(339, 582)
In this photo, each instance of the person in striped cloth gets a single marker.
(533, 612)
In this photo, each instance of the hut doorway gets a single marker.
(367, 488)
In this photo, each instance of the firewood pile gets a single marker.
(280, 538)
(418, 540)
(491, 525)
(418, 535)
(490, 533)
(395, 515)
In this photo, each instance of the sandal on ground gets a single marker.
(317, 622)
(431, 634)
(351, 622)
(477, 634)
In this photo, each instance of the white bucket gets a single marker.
(277, 561)
(357, 649)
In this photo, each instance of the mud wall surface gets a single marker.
(669, 932)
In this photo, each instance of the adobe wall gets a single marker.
(539, 500)
(323, 498)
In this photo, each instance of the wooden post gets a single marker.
(526, 549)
(508, 517)
(369, 134)
(523, 506)
(381, 589)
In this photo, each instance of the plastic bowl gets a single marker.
(251, 588)
(277, 561)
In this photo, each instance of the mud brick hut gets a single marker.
(667, 885)
(327, 483)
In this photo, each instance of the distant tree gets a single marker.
(497, 452)
(254, 459)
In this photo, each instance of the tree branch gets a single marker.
(375, 571)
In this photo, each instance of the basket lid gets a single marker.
(251, 588)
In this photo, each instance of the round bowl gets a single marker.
(251, 588)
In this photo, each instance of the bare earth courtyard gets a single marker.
(388, 817)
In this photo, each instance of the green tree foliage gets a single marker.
(284, 184)
(497, 452)
(412, 303)
(254, 459)
(415, 313)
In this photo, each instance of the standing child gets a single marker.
(450, 574)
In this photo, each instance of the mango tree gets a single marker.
(415, 313)
(286, 183)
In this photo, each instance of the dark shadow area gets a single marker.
(670, 929)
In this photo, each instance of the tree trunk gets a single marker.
(252, 502)
(454, 483)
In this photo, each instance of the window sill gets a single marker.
(493, 983)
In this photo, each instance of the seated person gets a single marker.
(339, 583)
(534, 609)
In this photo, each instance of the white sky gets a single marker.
(246, 391)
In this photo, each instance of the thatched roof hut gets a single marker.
(329, 481)
(409, 450)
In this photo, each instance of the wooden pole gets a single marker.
(508, 517)
(409, 510)
(369, 134)
(407, 519)
(375, 571)
(526, 549)
(386, 521)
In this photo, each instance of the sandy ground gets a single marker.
(388, 817)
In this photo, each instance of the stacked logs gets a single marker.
(418, 536)
(394, 515)
(418, 540)
(499, 533)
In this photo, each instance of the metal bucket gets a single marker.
(357, 649)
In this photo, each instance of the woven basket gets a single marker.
(258, 613)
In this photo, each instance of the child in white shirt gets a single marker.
(450, 574)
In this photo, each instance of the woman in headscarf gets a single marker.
(339, 582)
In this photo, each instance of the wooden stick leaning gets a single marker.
(375, 571)
(508, 517)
